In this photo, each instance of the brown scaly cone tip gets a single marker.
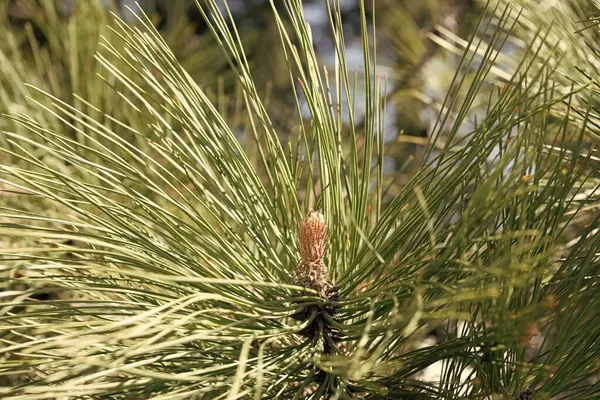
(311, 271)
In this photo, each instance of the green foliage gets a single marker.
(171, 245)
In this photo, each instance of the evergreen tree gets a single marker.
(187, 262)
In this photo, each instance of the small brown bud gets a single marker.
(313, 237)
(311, 272)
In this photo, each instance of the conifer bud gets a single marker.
(311, 271)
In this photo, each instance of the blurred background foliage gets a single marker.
(50, 44)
